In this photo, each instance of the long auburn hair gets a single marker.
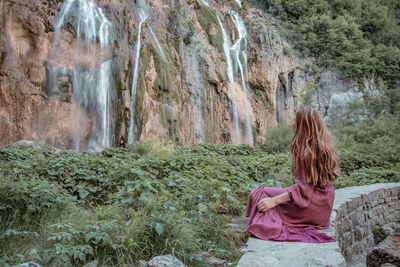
(312, 148)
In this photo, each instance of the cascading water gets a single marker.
(143, 13)
(236, 56)
(239, 50)
(91, 85)
(229, 72)
(159, 48)
(239, 3)
(205, 2)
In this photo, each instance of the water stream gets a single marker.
(92, 82)
(229, 72)
(143, 13)
(159, 48)
(239, 3)
(239, 50)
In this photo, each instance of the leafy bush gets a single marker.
(142, 201)
(278, 139)
(25, 203)
(368, 176)
(378, 137)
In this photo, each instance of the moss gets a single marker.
(145, 116)
(217, 41)
(206, 18)
(163, 85)
(180, 122)
(165, 117)
(259, 94)
(140, 88)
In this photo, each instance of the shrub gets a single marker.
(278, 139)
(27, 202)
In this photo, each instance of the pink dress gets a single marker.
(296, 220)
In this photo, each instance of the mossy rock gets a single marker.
(208, 19)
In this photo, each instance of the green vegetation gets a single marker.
(123, 205)
(209, 22)
(360, 38)
(277, 140)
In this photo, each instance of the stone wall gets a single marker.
(357, 211)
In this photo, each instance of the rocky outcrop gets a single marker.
(387, 251)
(183, 93)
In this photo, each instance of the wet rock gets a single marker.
(91, 264)
(30, 264)
(212, 261)
(143, 263)
(165, 261)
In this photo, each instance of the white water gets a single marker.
(239, 51)
(239, 3)
(92, 89)
(229, 72)
(143, 13)
(159, 48)
(205, 2)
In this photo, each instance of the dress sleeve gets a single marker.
(301, 193)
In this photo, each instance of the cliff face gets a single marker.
(184, 91)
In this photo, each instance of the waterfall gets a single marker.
(92, 82)
(159, 48)
(229, 72)
(239, 50)
(143, 12)
(205, 2)
(236, 56)
(239, 3)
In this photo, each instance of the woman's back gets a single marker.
(294, 213)
(309, 205)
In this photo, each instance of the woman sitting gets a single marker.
(294, 213)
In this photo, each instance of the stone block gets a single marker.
(347, 239)
(341, 212)
(358, 234)
(394, 191)
(355, 218)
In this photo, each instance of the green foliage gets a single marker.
(207, 19)
(360, 38)
(159, 198)
(145, 200)
(278, 139)
(29, 201)
(368, 176)
(378, 137)
(308, 97)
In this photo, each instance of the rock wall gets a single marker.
(183, 95)
(362, 211)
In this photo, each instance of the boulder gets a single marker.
(30, 264)
(388, 251)
(165, 261)
(91, 264)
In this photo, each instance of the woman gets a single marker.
(294, 213)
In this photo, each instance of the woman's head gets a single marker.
(312, 148)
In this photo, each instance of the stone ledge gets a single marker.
(353, 205)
